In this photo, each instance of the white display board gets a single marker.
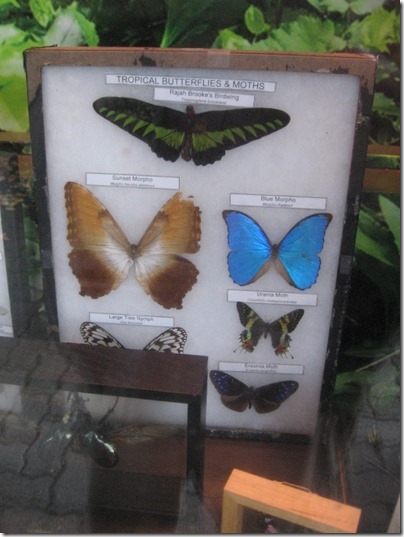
(277, 181)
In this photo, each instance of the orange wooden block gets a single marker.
(283, 501)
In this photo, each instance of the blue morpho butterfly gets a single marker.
(296, 256)
(237, 396)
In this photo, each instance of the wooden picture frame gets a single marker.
(312, 166)
(284, 501)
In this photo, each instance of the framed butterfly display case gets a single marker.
(205, 200)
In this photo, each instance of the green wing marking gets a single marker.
(160, 127)
(203, 138)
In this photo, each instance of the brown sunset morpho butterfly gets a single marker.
(102, 256)
(237, 396)
(202, 137)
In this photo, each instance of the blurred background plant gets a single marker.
(35, 23)
(372, 328)
(295, 25)
(325, 26)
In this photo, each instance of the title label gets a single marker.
(191, 82)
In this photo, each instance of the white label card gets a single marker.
(200, 96)
(246, 367)
(272, 297)
(133, 180)
(131, 319)
(191, 82)
(278, 201)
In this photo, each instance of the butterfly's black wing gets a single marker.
(270, 397)
(172, 340)
(279, 330)
(93, 334)
(216, 132)
(234, 394)
(255, 327)
(203, 138)
(162, 128)
(238, 396)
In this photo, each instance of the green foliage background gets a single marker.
(295, 25)
(323, 26)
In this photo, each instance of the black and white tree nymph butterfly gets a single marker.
(203, 138)
(172, 340)
(256, 327)
(237, 396)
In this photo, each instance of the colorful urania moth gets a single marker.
(256, 327)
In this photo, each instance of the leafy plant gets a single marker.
(331, 26)
(373, 317)
(33, 24)
(127, 22)
(194, 23)
(180, 18)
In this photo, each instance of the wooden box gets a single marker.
(283, 501)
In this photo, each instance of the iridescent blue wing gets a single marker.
(234, 394)
(250, 249)
(270, 397)
(298, 251)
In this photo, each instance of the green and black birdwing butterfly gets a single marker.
(237, 396)
(203, 138)
(256, 327)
